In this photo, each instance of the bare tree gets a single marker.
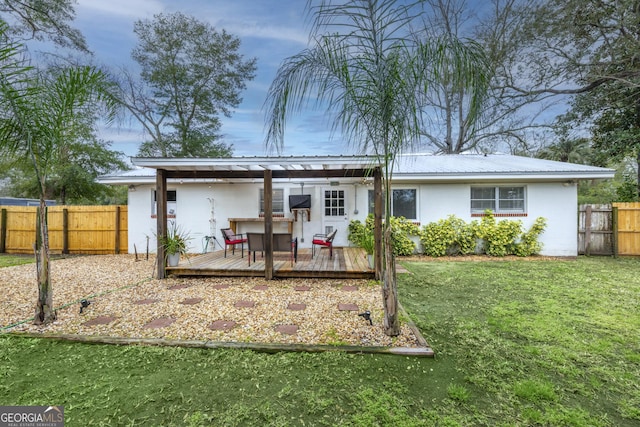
(509, 116)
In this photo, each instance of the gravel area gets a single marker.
(122, 293)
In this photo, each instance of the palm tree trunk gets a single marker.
(44, 308)
(391, 321)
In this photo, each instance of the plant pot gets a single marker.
(173, 259)
(370, 259)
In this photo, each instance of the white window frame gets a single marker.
(336, 206)
(497, 209)
(414, 189)
(277, 201)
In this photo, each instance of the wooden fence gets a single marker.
(609, 229)
(72, 229)
(602, 229)
(626, 228)
(595, 230)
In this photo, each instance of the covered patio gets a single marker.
(346, 262)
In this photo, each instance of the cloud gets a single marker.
(125, 8)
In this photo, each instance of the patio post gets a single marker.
(268, 224)
(161, 220)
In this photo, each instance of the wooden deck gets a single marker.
(347, 263)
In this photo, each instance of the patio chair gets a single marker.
(282, 242)
(255, 242)
(232, 239)
(323, 240)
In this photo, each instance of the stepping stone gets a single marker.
(260, 287)
(100, 320)
(176, 287)
(160, 322)
(146, 301)
(349, 288)
(190, 301)
(221, 286)
(347, 307)
(244, 304)
(296, 307)
(302, 288)
(222, 325)
(287, 329)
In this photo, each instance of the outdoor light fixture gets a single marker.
(84, 304)
(367, 316)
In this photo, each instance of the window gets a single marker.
(404, 202)
(334, 203)
(171, 204)
(277, 201)
(498, 199)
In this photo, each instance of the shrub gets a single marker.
(452, 236)
(356, 230)
(529, 244)
(401, 229)
(499, 237)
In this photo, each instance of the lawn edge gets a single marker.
(260, 347)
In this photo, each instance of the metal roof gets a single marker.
(465, 167)
(410, 167)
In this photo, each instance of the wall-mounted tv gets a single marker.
(299, 201)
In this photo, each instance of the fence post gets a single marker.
(3, 231)
(117, 229)
(65, 231)
(587, 230)
(614, 237)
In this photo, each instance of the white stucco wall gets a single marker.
(555, 201)
(238, 200)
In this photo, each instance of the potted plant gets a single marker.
(367, 242)
(175, 243)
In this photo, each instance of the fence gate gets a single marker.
(595, 230)
(627, 228)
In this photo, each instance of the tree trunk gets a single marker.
(44, 308)
(391, 321)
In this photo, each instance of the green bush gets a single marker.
(499, 237)
(452, 236)
(401, 230)
(529, 244)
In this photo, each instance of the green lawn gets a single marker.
(518, 343)
(7, 260)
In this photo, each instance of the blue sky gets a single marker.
(270, 30)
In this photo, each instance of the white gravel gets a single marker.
(114, 282)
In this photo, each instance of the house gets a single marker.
(20, 201)
(205, 195)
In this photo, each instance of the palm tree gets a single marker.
(40, 113)
(371, 76)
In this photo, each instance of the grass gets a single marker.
(518, 343)
(7, 260)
